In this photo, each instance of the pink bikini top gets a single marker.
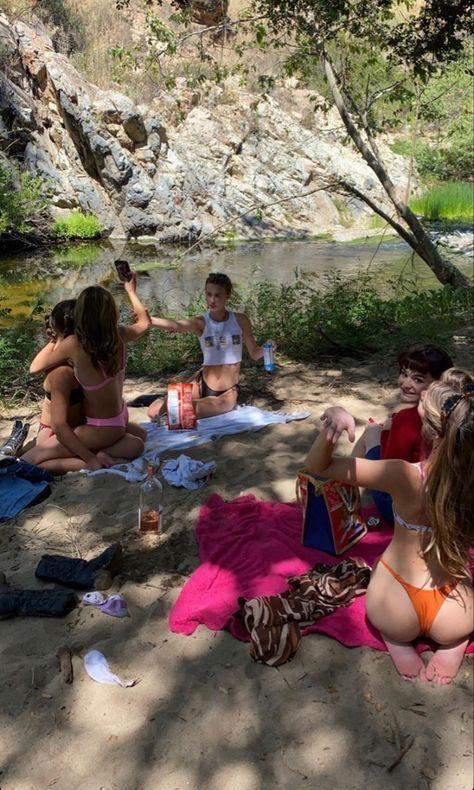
(107, 379)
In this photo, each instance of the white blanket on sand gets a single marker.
(161, 440)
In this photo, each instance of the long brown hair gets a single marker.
(448, 421)
(96, 328)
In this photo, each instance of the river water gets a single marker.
(63, 272)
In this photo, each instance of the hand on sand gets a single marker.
(337, 420)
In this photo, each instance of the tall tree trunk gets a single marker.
(418, 239)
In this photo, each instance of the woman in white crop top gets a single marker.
(221, 334)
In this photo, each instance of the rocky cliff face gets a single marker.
(100, 152)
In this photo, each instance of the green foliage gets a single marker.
(446, 201)
(443, 148)
(78, 254)
(18, 344)
(343, 316)
(77, 226)
(22, 200)
(66, 28)
(340, 317)
(165, 352)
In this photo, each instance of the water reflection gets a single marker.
(63, 273)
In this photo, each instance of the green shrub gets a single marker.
(22, 200)
(453, 200)
(309, 321)
(77, 226)
(19, 343)
(344, 316)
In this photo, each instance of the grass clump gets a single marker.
(77, 225)
(22, 200)
(451, 200)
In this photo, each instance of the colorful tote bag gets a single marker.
(332, 520)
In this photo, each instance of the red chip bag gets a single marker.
(181, 414)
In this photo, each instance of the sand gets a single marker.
(204, 716)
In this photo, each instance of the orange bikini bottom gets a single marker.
(426, 603)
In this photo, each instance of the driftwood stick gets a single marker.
(65, 663)
(408, 744)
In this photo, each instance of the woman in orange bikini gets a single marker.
(422, 583)
(97, 351)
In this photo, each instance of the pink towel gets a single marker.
(249, 547)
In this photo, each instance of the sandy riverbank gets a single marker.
(205, 717)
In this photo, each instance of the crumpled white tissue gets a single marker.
(187, 472)
(94, 598)
(97, 668)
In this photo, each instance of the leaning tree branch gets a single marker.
(254, 207)
(343, 186)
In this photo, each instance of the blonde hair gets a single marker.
(448, 422)
(96, 328)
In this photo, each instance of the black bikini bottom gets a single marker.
(205, 391)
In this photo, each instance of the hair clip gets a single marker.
(450, 403)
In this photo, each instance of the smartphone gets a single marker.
(123, 270)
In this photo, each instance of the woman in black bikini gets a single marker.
(63, 397)
(221, 334)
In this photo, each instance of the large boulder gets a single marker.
(258, 165)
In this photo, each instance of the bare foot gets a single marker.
(105, 459)
(444, 664)
(407, 661)
(156, 409)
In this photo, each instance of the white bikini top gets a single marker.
(221, 341)
(406, 524)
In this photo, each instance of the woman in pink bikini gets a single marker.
(98, 352)
(422, 585)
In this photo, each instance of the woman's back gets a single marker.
(102, 391)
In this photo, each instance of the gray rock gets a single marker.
(96, 149)
(140, 191)
(134, 127)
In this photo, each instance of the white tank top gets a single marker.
(221, 341)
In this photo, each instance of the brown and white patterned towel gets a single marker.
(274, 622)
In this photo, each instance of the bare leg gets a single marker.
(212, 405)
(136, 430)
(444, 664)
(93, 437)
(60, 466)
(407, 661)
(157, 408)
(451, 628)
(126, 449)
(390, 610)
(43, 435)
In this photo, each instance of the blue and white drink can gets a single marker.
(268, 357)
